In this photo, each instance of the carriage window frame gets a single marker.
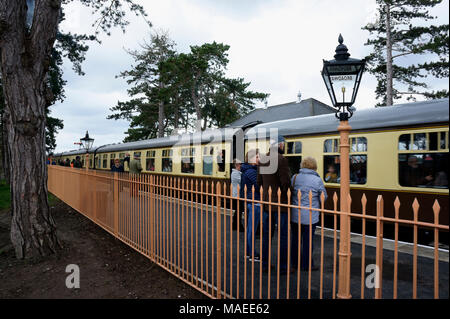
(442, 146)
(359, 148)
(167, 155)
(293, 148)
(188, 157)
(105, 161)
(293, 153)
(149, 157)
(208, 154)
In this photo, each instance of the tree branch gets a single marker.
(401, 54)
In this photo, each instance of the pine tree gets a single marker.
(400, 32)
(27, 42)
(146, 79)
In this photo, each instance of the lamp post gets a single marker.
(87, 144)
(342, 77)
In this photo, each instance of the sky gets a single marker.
(277, 45)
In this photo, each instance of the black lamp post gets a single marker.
(342, 77)
(87, 144)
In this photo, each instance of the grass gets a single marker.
(5, 197)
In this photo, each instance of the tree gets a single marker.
(399, 32)
(147, 81)
(186, 83)
(26, 55)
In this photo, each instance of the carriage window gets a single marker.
(420, 141)
(150, 161)
(423, 170)
(294, 160)
(358, 144)
(221, 161)
(358, 162)
(208, 152)
(433, 141)
(358, 169)
(166, 161)
(443, 141)
(121, 157)
(138, 154)
(105, 160)
(404, 142)
(111, 159)
(187, 160)
(331, 146)
(294, 148)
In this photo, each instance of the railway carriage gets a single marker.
(400, 150)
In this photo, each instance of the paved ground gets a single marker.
(185, 240)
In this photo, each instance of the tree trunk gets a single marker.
(389, 73)
(198, 111)
(161, 118)
(25, 56)
(4, 150)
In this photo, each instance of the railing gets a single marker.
(186, 228)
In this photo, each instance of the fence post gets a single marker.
(116, 203)
(219, 245)
(379, 249)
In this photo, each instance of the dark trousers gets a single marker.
(304, 256)
(235, 209)
(283, 229)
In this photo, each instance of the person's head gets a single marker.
(331, 168)
(309, 162)
(117, 162)
(278, 142)
(412, 162)
(252, 157)
(237, 164)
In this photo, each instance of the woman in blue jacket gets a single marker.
(307, 180)
(249, 176)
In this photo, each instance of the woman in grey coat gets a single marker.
(307, 180)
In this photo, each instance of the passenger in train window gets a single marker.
(78, 163)
(414, 174)
(235, 181)
(117, 167)
(249, 179)
(331, 176)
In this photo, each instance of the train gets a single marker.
(397, 151)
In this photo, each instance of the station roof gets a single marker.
(308, 107)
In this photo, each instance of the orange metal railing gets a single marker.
(186, 228)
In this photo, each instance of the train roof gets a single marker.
(208, 136)
(409, 114)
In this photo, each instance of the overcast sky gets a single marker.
(277, 45)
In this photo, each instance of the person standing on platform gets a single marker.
(274, 173)
(235, 181)
(307, 180)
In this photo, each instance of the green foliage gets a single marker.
(185, 84)
(409, 38)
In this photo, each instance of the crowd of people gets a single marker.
(254, 174)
